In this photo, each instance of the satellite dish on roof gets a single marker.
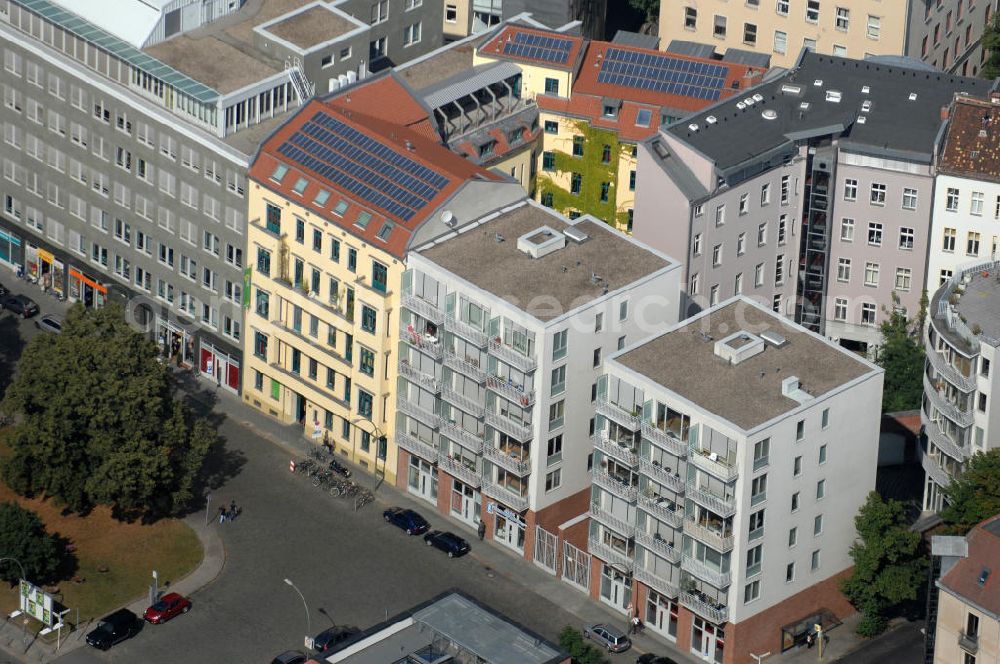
(447, 218)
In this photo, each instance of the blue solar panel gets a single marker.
(539, 47)
(363, 166)
(662, 73)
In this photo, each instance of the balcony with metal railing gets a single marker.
(511, 356)
(424, 380)
(422, 342)
(620, 526)
(664, 439)
(713, 464)
(422, 307)
(722, 505)
(714, 612)
(623, 453)
(659, 546)
(514, 464)
(710, 536)
(960, 417)
(465, 366)
(414, 445)
(968, 642)
(466, 331)
(508, 426)
(934, 470)
(619, 414)
(662, 475)
(417, 411)
(468, 404)
(717, 578)
(610, 554)
(461, 435)
(457, 469)
(507, 389)
(944, 442)
(625, 491)
(948, 372)
(656, 582)
(516, 502)
(660, 508)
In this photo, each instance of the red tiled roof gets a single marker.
(586, 79)
(502, 147)
(984, 552)
(972, 142)
(407, 142)
(592, 109)
(494, 47)
(386, 98)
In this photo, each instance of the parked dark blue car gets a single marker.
(407, 520)
(450, 543)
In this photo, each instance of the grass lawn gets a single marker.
(130, 551)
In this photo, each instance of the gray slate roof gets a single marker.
(636, 39)
(895, 127)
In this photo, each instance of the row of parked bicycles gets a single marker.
(330, 475)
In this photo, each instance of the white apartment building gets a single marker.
(505, 326)
(964, 226)
(731, 456)
(958, 415)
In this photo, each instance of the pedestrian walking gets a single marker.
(233, 511)
(482, 530)
(222, 515)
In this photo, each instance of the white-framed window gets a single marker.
(875, 233)
(758, 275)
(693, 284)
(451, 13)
(785, 189)
(720, 215)
(843, 18)
(762, 234)
(781, 7)
(380, 11)
(975, 203)
(779, 270)
(696, 245)
(717, 255)
(782, 229)
(741, 244)
(411, 34)
(846, 230)
(780, 42)
(413, 4)
(713, 295)
(909, 198)
(951, 200)
(877, 193)
(738, 284)
(871, 273)
(840, 309)
(905, 238)
(850, 189)
(690, 18)
(744, 204)
(812, 11)
(903, 278)
(874, 27)
(844, 269)
(868, 314)
(972, 244)
(948, 243)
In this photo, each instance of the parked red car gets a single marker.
(169, 606)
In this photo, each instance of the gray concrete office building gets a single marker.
(811, 193)
(127, 135)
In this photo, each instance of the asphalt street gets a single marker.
(903, 645)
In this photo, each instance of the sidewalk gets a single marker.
(502, 563)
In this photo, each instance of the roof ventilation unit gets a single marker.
(749, 101)
(740, 105)
(711, 119)
(769, 114)
(693, 126)
(913, 96)
(865, 89)
(448, 219)
(862, 119)
(541, 242)
(866, 105)
(833, 95)
(818, 82)
(576, 235)
(788, 89)
(792, 388)
(804, 106)
(773, 338)
(758, 97)
(739, 346)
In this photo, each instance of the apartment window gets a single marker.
(868, 314)
(717, 255)
(551, 127)
(556, 414)
(871, 274)
(762, 234)
(719, 27)
(553, 479)
(758, 275)
(875, 233)
(451, 13)
(779, 270)
(847, 230)
(850, 189)
(751, 591)
(558, 381)
(756, 528)
(690, 18)
(738, 284)
(905, 238)
(605, 190)
(352, 259)
(812, 11)
(844, 269)
(366, 362)
(792, 536)
(554, 450)
(741, 244)
(981, 402)
(795, 502)
(693, 286)
(597, 357)
(368, 317)
(750, 34)
(754, 556)
(380, 11)
(623, 311)
(877, 196)
(800, 430)
(559, 345)
(758, 489)
(840, 309)
(820, 489)
(972, 244)
(713, 295)
(789, 572)
(909, 198)
(621, 342)
(818, 525)
(976, 203)
(984, 366)
(782, 7)
(949, 239)
(951, 200)
(761, 449)
(903, 277)
(411, 34)
(780, 41)
(575, 184)
(720, 215)
(843, 18)
(874, 27)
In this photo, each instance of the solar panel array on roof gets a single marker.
(539, 47)
(662, 73)
(370, 170)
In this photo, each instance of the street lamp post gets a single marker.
(23, 575)
(304, 606)
(379, 438)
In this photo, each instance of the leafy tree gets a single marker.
(975, 496)
(889, 566)
(23, 537)
(571, 640)
(99, 423)
(991, 43)
(649, 8)
(902, 356)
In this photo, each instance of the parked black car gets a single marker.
(332, 636)
(114, 628)
(3, 290)
(650, 658)
(290, 657)
(450, 543)
(407, 520)
(22, 305)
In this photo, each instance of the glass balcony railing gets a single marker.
(624, 453)
(624, 417)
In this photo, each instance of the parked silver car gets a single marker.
(49, 323)
(609, 637)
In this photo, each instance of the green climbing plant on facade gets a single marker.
(594, 171)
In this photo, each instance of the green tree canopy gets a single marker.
(650, 8)
(902, 356)
(975, 496)
(571, 640)
(991, 43)
(23, 537)
(99, 425)
(888, 563)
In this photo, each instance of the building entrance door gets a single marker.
(707, 640)
(661, 615)
(422, 480)
(465, 503)
(616, 588)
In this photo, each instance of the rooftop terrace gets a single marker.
(975, 315)
(438, 66)
(487, 255)
(313, 26)
(972, 142)
(684, 361)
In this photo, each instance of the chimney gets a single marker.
(995, 96)
(409, 145)
(944, 113)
